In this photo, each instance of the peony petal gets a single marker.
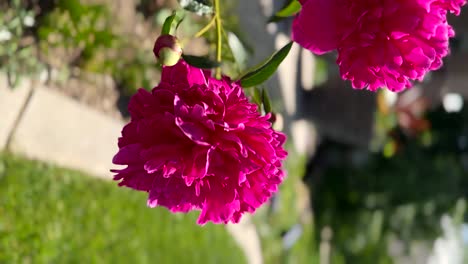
(197, 166)
(220, 204)
(182, 73)
(379, 43)
(321, 25)
(195, 143)
(127, 155)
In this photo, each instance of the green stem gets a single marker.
(219, 37)
(206, 28)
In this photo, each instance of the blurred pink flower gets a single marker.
(380, 43)
(197, 143)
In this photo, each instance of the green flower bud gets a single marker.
(168, 50)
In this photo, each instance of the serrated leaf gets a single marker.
(290, 10)
(267, 69)
(199, 7)
(200, 62)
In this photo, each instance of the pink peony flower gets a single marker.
(380, 43)
(197, 143)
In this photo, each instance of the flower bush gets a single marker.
(197, 143)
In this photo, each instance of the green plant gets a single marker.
(77, 34)
(137, 71)
(371, 200)
(17, 50)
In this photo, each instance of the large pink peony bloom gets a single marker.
(196, 143)
(380, 43)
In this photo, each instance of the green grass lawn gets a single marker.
(54, 215)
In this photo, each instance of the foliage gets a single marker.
(17, 51)
(50, 215)
(77, 31)
(200, 7)
(227, 45)
(370, 199)
(81, 35)
(290, 9)
(263, 72)
(137, 71)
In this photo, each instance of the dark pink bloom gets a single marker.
(380, 43)
(197, 143)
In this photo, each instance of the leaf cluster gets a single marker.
(18, 56)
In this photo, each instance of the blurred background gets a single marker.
(371, 177)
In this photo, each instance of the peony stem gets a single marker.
(206, 28)
(219, 40)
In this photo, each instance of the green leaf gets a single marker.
(105, 38)
(290, 10)
(267, 69)
(167, 26)
(75, 9)
(199, 7)
(200, 62)
(180, 18)
(266, 101)
(172, 22)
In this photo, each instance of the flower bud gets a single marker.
(168, 50)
